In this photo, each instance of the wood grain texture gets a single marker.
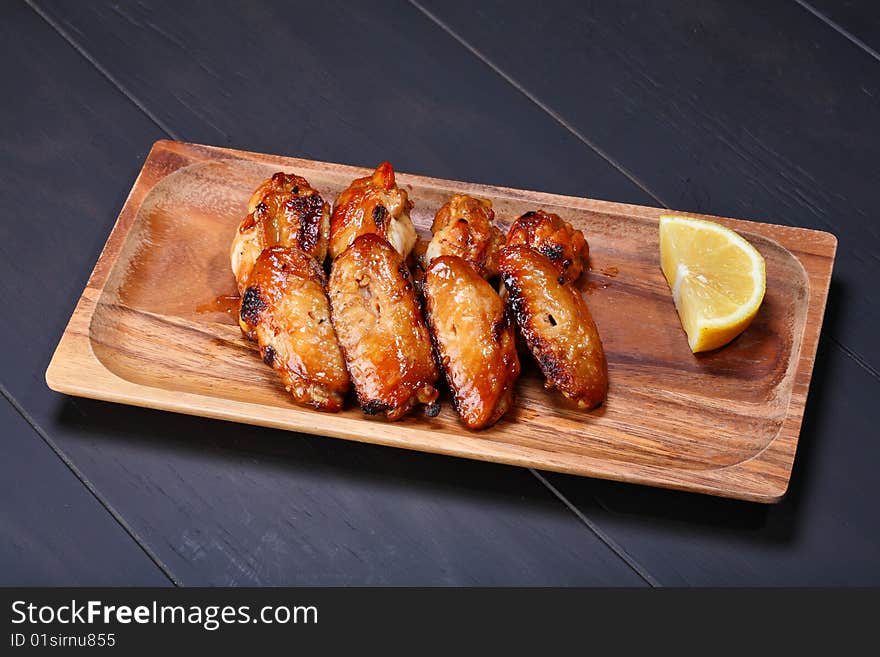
(826, 532)
(697, 100)
(393, 506)
(267, 78)
(860, 19)
(735, 124)
(725, 423)
(220, 503)
(53, 527)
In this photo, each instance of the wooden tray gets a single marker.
(724, 423)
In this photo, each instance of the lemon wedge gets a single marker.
(717, 279)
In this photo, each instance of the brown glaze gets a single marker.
(224, 303)
(285, 309)
(381, 330)
(591, 286)
(474, 340)
(373, 204)
(285, 210)
(557, 326)
(418, 266)
(565, 246)
(463, 227)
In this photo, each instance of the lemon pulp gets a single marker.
(717, 279)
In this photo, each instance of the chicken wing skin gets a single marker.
(285, 309)
(284, 211)
(557, 239)
(556, 324)
(373, 204)
(381, 330)
(418, 266)
(463, 227)
(473, 338)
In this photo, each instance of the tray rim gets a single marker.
(76, 370)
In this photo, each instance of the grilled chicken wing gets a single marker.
(418, 266)
(381, 331)
(557, 325)
(473, 339)
(463, 227)
(555, 238)
(284, 211)
(285, 309)
(374, 204)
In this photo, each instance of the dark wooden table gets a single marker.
(766, 111)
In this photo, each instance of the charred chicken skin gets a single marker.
(285, 309)
(373, 204)
(473, 339)
(381, 330)
(284, 211)
(556, 324)
(463, 227)
(555, 238)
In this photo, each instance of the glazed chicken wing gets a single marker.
(285, 309)
(556, 324)
(284, 211)
(381, 330)
(473, 338)
(463, 227)
(555, 238)
(374, 204)
(418, 266)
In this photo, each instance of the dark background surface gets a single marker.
(766, 111)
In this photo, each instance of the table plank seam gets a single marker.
(88, 485)
(855, 358)
(168, 131)
(172, 134)
(602, 536)
(840, 29)
(536, 101)
(103, 71)
(595, 148)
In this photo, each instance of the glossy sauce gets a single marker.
(591, 286)
(225, 303)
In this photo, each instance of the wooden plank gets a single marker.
(228, 504)
(748, 110)
(825, 533)
(857, 20)
(272, 79)
(53, 527)
(221, 503)
(752, 110)
(724, 423)
(232, 110)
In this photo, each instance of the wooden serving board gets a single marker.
(724, 423)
